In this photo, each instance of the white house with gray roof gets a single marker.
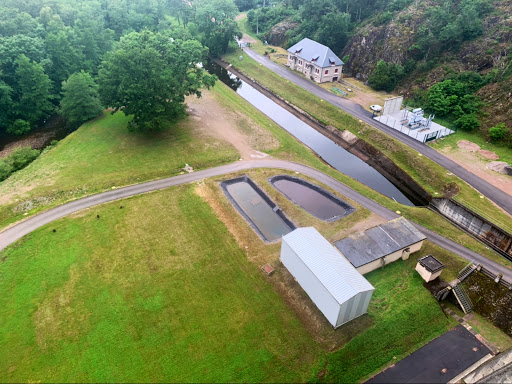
(318, 62)
(333, 284)
(381, 245)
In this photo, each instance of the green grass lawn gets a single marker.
(161, 291)
(156, 291)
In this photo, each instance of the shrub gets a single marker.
(19, 127)
(467, 122)
(21, 157)
(5, 169)
(498, 132)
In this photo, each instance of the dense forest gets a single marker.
(452, 57)
(75, 57)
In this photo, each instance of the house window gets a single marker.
(300, 62)
(326, 71)
(336, 70)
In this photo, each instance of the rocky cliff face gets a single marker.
(389, 42)
(277, 35)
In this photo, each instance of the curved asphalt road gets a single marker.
(501, 198)
(16, 232)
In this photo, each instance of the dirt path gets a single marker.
(474, 163)
(215, 120)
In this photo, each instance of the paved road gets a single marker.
(439, 361)
(16, 232)
(498, 196)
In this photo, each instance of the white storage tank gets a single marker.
(335, 286)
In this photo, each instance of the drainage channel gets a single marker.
(328, 150)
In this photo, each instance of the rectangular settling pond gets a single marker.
(255, 206)
(313, 199)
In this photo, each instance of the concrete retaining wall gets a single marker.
(484, 230)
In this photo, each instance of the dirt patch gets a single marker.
(248, 39)
(475, 164)
(310, 316)
(488, 154)
(37, 140)
(365, 99)
(367, 223)
(215, 120)
(468, 145)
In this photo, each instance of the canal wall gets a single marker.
(347, 140)
(476, 225)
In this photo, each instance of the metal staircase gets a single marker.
(463, 298)
(466, 271)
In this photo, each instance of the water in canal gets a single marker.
(331, 152)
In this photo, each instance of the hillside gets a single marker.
(422, 43)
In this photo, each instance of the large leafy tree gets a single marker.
(216, 21)
(34, 91)
(148, 76)
(5, 104)
(80, 101)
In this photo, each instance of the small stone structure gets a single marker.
(429, 268)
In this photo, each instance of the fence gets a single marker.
(397, 125)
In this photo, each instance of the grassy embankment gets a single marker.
(103, 154)
(431, 176)
(172, 302)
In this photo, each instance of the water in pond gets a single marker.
(331, 152)
(311, 198)
(253, 207)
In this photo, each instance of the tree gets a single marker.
(380, 78)
(64, 57)
(467, 122)
(5, 104)
(19, 127)
(34, 96)
(80, 101)
(386, 76)
(149, 75)
(333, 30)
(498, 132)
(215, 19)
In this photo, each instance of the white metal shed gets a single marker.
(337, 289)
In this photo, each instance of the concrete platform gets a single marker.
(437, 362)
(435, 131)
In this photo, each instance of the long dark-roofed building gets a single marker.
(381, 245)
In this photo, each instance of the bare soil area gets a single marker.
(473, 162)
(37, 140)
(221, 123)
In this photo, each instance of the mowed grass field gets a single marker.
(156, 291)
(160, 291)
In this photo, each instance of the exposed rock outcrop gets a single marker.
(277, 35)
